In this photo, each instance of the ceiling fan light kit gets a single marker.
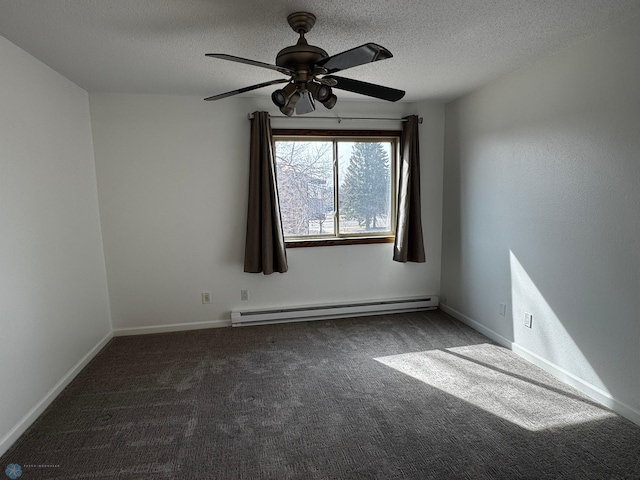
(281, 96)
(330, 102)
(310, 70)
(320, 92)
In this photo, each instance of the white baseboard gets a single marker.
(175, 327)
(487, 332)
(587, 388)
(33, 414)
(567, 377)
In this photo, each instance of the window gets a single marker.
(336, 187)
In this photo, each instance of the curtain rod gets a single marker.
(340, 119)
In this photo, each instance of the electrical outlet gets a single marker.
(206, 297)
(244, 295)
(528, 320)
(503, 309)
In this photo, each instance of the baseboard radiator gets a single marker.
(304, 313)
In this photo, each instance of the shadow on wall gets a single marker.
(546, 334)
(582, 316)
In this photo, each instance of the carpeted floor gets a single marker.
(409, 396)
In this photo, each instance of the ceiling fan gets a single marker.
(310, 70)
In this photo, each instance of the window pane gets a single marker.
(364, 192)
(305, 187)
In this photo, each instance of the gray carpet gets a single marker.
(409, 396)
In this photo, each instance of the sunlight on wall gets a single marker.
(547, 336)
(493, 379)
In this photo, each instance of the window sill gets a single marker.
(330, 242)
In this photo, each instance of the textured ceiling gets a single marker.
(442, 48)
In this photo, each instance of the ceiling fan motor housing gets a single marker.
(301, 56)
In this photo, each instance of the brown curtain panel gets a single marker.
(264, 248)
(408, 246)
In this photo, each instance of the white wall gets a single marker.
(172, 180)
(542, 209)
(54, 304)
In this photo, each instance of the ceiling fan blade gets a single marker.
(255, 63)
(306, 104)
(246, 89)
(367, 53)
(369, 89)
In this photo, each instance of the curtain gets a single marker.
(264, 248)
(408, 246)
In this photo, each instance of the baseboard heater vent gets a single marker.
(303, 313)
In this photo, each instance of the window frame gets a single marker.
(354, 135)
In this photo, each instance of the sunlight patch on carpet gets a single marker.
(489, 377)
